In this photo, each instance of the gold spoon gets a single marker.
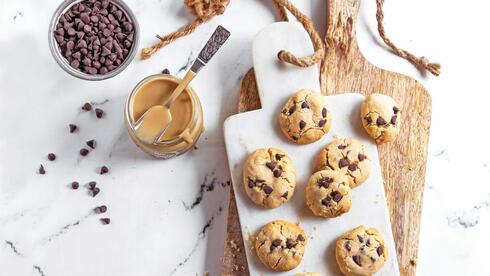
(160, 115)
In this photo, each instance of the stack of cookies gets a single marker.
(269, 180)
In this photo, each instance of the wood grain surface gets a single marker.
(403, 161)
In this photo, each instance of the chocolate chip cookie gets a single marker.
(328, 194)
(280, 245)
(269, 177)
(306, 117)
(381, 117)
(361, 252)
(347, 156)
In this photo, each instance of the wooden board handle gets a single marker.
(341, 25)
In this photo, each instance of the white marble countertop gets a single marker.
(169, 217)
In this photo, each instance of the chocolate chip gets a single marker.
(105, 220)
(380, 121)
(290, 243)
(99, 113)
(379, 250)
(336, 196)
(104, 170)
(251, 183)
(352, 167)
(300, 238)
(87, 107)
(101, 209)
(277, 172)
(72, 127)
(41, 169)
(344, 162)
(324, 112)
(368, 242)
(396, 109)
(325, 182)
(51, 156)
(360, 238)
(92, 185)
(267, 189)
(326, 201)
(292, 109)
(373, 259)
(75, 185)
(258, 180)
(348, 246)
(276, 242)
(285, 195)
(279, 156)
(393, 119)
(357, 259)
(302, 124)
(91, 143)
(166, 71)
(84, 152)
(361, 157)
(369, 120)
(341, 147)
(95, 191)
(305, 105)
(75, 64)
(270, 165)
(322, 122)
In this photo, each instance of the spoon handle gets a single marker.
(215, 42)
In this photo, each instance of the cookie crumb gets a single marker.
(413, 262)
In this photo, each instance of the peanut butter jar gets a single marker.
(187, 123)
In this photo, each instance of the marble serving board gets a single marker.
(248, 131)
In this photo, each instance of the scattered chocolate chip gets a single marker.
(368, 120)
(277, 172)
(251, 183)
(258, 180)
(84, 152)
(41, 169)
(380, 121)
(300, 238)
(91, 143)
(75, 185)
(72, 127)
(341, 147)
(393, 119)
(396, 109)
(99, 113)
(290, 243)
(95, 191)
(87, 107)
(361, 157)
(379, 250)
(360, 238)
(292, 109)
(344, 162)
(357, 259)
(348, 246)
(368, 242)
(101, 209)
(302, 124)
(325, 182)
(279, 156)
(104, 170)
(276, 242)
(271, 165)
(267, 189)
(324, 112)
(105, 220)
(285, 195)
(322, 122)
(92, 185)
(326, 201)
(305, 105)
(51, 157)
(352, 167)
(373, 259)
(166, 71)
(336, 196)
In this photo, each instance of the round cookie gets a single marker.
(361, 252)
(347, 156)
(269, 177)
(306, 117)
(280, 245)
(328, 194)
(381, 117)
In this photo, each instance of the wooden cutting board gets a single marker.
(403, 161)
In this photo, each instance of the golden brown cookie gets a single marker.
(347, 156)
(361, 252)
(381, 117)
(269, 177)
(280, 245)
(306, 117)
(328, 194)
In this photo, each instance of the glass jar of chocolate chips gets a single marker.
(93, 39)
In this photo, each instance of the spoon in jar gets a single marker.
(153, 124)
